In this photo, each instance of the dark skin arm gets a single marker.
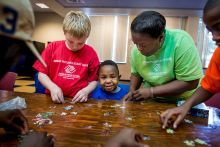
(180, 112)
(37, 139)
(126, 138)
(171, 89)
(13, 121)
(135, 83)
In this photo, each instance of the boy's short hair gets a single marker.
(149, 22)
(211, 4)
(77, 24)
(109, 62)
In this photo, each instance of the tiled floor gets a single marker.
(24, 84)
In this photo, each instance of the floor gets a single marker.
(24, 84)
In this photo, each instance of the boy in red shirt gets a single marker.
(71, 64)
(211, 82)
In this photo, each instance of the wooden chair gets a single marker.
(8, 81)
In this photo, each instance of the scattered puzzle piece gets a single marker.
(107, 113)
(68, 107)
(158, 113)
(116, 105)
(42, 119)
(200, 141)
(129, 118)
(73, 113)
(107, 125)
(52, 107)
(170, 131)
(189, 142)
(122, 107)
(87, 127)
(146, 138)
(188, 121)
(63, 113)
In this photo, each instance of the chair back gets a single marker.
(39, 88)
(8, 81)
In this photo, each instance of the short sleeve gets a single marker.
(211, 81)
(133, 61)
(188, 66)
(46, 56)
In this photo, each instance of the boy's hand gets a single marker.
(56, 94)
(167, 117)
(127, 137)
(81, 96)
(13, 120)
(37, 139)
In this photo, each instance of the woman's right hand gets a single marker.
(128, 96)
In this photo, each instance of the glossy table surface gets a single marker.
(97, 121)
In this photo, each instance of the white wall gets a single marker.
(48, 27)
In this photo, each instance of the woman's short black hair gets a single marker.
(149, 22)
(109, 62)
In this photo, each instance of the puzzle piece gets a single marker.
(170, 131)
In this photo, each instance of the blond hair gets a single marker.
(77, 24)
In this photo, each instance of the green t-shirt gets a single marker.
(177, 59)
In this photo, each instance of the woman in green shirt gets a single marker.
(165, 60)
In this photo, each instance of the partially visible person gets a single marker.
(127, 137)
(210, 84)
(165, 60)
(39, 140)
(16, 26)
(109, 87)
(72, 65)
(13, 121)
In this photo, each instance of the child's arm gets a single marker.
(180, 112)
(82, 95)
(55, 91)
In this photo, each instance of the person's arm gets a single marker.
(55, 91)
(82, 95)
(14, 121)
(37, 139)
(127, 137)
(175, 87)
(135, 83)
(180, 112)
(171, 89)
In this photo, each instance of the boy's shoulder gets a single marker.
(89, 48)
(124, 87)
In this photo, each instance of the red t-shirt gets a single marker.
(211, 81)
(71, 71)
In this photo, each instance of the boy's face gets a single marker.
(73, 43)
(212, 21)
(108, 78)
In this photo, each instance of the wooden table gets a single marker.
(88, 127)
